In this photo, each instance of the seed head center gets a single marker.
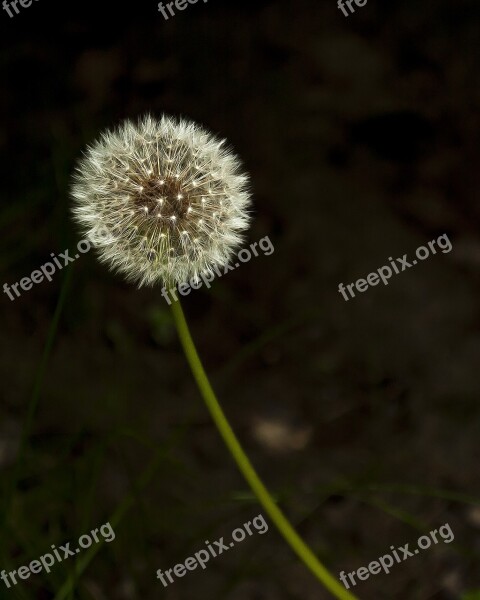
(163, 197)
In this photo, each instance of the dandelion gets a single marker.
(170, 200)
(171, 204)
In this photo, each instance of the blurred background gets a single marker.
(361, 138)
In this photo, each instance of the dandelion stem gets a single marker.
(244, 464)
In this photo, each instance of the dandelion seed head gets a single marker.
(172, 200)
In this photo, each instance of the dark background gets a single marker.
(361, 138)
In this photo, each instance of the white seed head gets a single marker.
(170, 202)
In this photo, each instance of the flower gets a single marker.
(169, 200)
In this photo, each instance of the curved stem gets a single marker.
(245, 466)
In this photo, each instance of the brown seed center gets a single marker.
(163, 197)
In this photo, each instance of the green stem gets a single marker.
(245, 466)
